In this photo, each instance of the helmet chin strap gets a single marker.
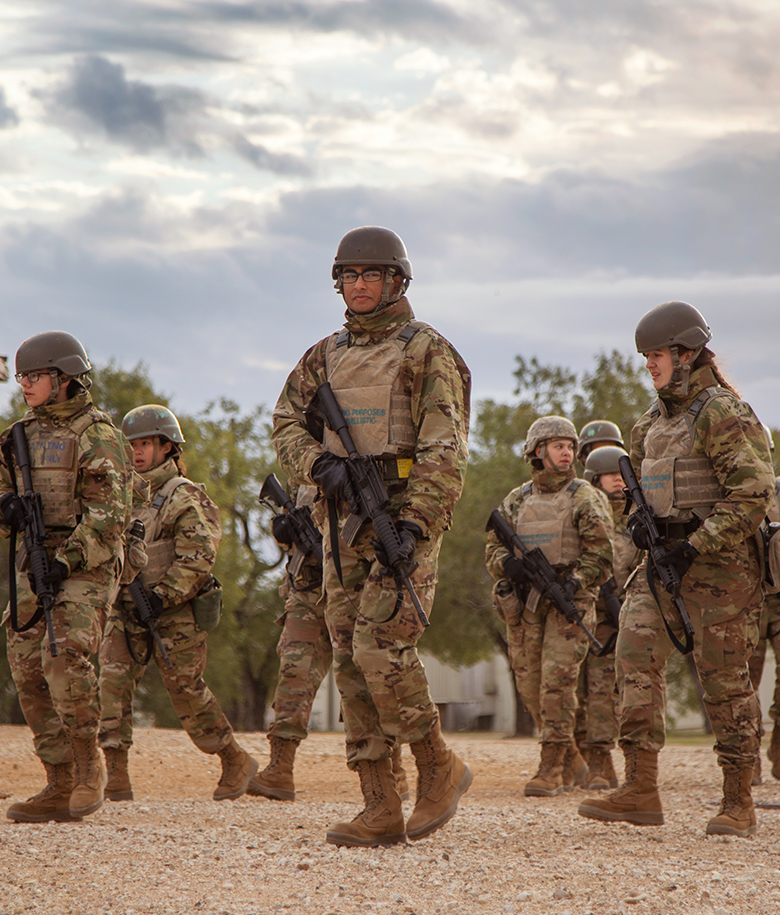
(55, 386)
(681, 372)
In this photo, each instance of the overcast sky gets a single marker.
(176, 176)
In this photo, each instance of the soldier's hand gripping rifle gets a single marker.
(667, 575)
(34, 541)
(539, 573)
(302, 529)
(143, 607)
(373, 499)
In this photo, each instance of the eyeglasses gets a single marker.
(348, 277)
(32, 377)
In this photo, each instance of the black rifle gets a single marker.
(304, 531)
(666, 574)
(34, 542)
(366, 479)
(539, 572)
(612, 605)
(143, 608)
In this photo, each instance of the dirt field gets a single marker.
(174, 850)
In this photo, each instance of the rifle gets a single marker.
(540, 573)
(667, 575)
(304, 532)
(373, 498)
(612, 604)
(34, 541)
(143, 608)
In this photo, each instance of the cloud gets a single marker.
(8, 117)
(96, 97)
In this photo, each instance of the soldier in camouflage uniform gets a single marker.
(81, 468)
(769, 634)
(601, 704)
(571, 523)
(705, 470)
(181, 538)
(305, 657)
(405, 393)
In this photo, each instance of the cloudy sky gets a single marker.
(176, 175)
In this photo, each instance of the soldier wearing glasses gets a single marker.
(410, 390)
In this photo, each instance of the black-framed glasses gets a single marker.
(32, 377)
(348, 277)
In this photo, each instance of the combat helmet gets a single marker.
(152, 420)
(602, 460)
(599, 430)
(374, 245)
(546, 428)
(58, 353)
(676, 325)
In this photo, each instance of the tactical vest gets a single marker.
(546, 520)
(160, 552)
(367, 383)
(54, 464)
(678, 486)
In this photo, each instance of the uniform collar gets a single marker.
(158, 476)
(380, 322)
(60, 414)
(552, 480)
(670, 401)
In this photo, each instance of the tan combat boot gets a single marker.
(381, 822)
(118, 787)
(90, 780)
(401, 782)
(637, 801)
(548, 781)
(601, 772)
(442, 778)
(736, 817)
(53, 803)
(773, 753)
(238, 769)
(276, 780)
(575, 769)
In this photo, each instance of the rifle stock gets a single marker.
(539, 572)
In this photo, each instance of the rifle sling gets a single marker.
(688, 646)
(149, 647)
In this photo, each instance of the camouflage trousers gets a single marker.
(545, 652)
(597, 694)
(381, 680)
(58, 696)
(305, 656)
(768, 634)
(194, 703)
(723, 598)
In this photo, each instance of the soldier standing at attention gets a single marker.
(600, 686)
(413, 388)
(81, 468)
(705, 469)
(182, 534)
(571, 523)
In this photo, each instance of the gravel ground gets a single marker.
(174, 850)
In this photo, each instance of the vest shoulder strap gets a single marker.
(527, 489)
(574, 486)
(166, 491)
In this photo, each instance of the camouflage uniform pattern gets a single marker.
(546, 651)
(304, 649)
(384, 691)
(192, 520)
(59, 696)
(721, 590)
(597, 692)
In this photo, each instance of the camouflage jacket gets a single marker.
(728, 432)
(104, 463)
(192, 520)
(592, 518)
(439, 384)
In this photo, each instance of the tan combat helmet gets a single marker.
(58, 353)
(152, 420)
(676, 325)
(544, 430)
(602, 460)
(599, 430)
(368, 245)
